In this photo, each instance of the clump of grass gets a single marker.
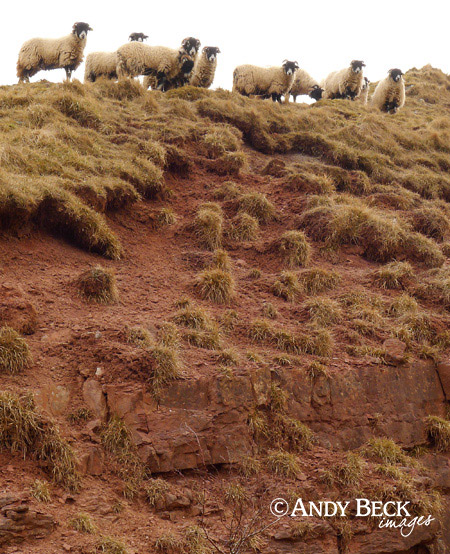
(295, 248)
(324, 311)
(208, 225)
(195, 540)
(292, 433)
(350, 471)
(254, 273)
(278, 398)
(194, 318)
(415, 326)
(139, 336)
(229, 319)
(166, 366)
(24, 430)
(257, 205)
(235, 494)
(208, 339)
(168, 335)
(83, 523)
(166, 216)
(316, 369)
(394, 275)
(432, 222)
(305, 181)
(109, 545)
(260, 330)
(41, 491)
(437, 288)
(286, 286)
(258, 424)
(80, 415)
(98, 285)
(315, 281)
(221, 260)
(404, 304)
(155, 491)
(283, 463)
(243, 227)
(385, 450)
(169, 544)
(228, 357)
(249, 466)
(15, 354)
(438, 431)
(269, 310)
(215, 285)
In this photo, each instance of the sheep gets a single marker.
(389, 94)
(364, 94)
(305, 84)
(346, 83)
(44, 53)
(104, 64)
(137, 37)
(205, 67)
(270, 82)
(164, 65)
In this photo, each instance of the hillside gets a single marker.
(209, 302)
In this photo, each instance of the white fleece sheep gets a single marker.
(364, 94)
(389, 94)
(104, 64)
(162, 63)
(305, 84)
(346, 83)
(265, 82)
(205, 67)
(45, 53)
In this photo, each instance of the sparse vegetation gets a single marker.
(208, 226)
(15, 354)
(315, 281)
(215, 285)
(258, 206)
(109, 545)
(295, 248)
(283, 463)
(98, 285)
(438, 430)
(394, 275)
(384, 449)
(155, 491)
(243, 227)
(166, 216)
(324, 311)
(41, 490)
(83, 523)
(286, 286)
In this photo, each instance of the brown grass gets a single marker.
(208, 226)
(243, 227)
(286, 286)
(316, 281)
(395, 275)
(257, 205)
(98, 285)
(295, 248)
(15, 354)
(438, 430)
(215, 285)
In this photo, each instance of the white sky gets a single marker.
(321, 36)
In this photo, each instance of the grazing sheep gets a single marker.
(389, 94)
(346, 83)
(305, 84)
(364, 94)
(104, 64)
(205, 67)
(137, 37)
(164, 65)
(270, 82)
(45, 53)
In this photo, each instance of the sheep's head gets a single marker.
(81, 29)
(366, 83)
(186, 64)
(289, 67)
(211, 52)
(316, 93)
(191, 45)
(395, 74)
(357, 66)
(137, 37)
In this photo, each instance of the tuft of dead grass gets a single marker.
(257, 205)
(438, 431)
(208, 227)
(295, 248)
(243, 227)
(318, 280)
(15, 354)
(286, 286)
(98, 285)
(215, 285)
(394, 275)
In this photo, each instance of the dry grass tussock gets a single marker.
(15, 354)
(98, 285)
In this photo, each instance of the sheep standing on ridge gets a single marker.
(270, 82)
(364, 94)
(45, 53)
(205, 67)
(346, 83)
(305, 84)
(104, 64)
(389, 94)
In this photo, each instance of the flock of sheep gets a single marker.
(164, 68)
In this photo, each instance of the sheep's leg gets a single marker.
(68, 71)
(274, 96)
(161, 80)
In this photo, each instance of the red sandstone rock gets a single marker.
(395, 350)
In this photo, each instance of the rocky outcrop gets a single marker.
(18, 522)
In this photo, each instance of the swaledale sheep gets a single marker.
(305, 84)
(162, 63)
(265, 82)
(389, 94)
(104, 64)
(137, 37)
(45, 53)
(205, 67)
(364, 94)
(346, 83)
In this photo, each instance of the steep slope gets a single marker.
(280, 327)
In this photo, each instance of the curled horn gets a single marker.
(284, 61)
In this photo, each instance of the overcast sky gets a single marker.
(322, 36)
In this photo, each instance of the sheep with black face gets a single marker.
(389, 94)
(44, 53)
(205, 67)
(265, 82)
(104, 64)
(304, 84)
(346, 83)
(163, 65)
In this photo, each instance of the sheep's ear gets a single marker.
(218, 50)
(296, 65)
(284, 61)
